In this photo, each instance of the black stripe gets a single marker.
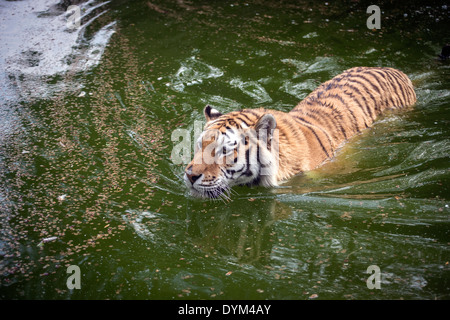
(388, 86)
(253, 113)
(239, 170)
(298, 118)
(311, 113)
(398, 89)
(242, 121)
(409, 91)
(354, 99)
(367, 111)
(366, 90)
(368, 81)
(288, 126)
(318, 127)
(333, 119)
(384, 86)
(246, 117)
(333, 84)
(355, 122)
(400, 83)
(257, 156)
(225, 172)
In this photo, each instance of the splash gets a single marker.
(193, 71)
(43, 48)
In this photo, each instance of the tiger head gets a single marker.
(237, 148)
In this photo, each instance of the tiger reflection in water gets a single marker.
(263, 147)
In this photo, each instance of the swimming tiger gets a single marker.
(264, 147)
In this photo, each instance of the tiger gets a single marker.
(265, 147)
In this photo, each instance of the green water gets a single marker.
(90, 162)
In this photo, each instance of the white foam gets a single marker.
(37, 43)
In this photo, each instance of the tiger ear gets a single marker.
(211, 113)
(266, 122)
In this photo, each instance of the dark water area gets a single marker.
(86, 170)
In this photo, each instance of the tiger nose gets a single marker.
(193, 177)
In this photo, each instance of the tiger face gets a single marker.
(231, 152)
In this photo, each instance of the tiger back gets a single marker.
(303, 138)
